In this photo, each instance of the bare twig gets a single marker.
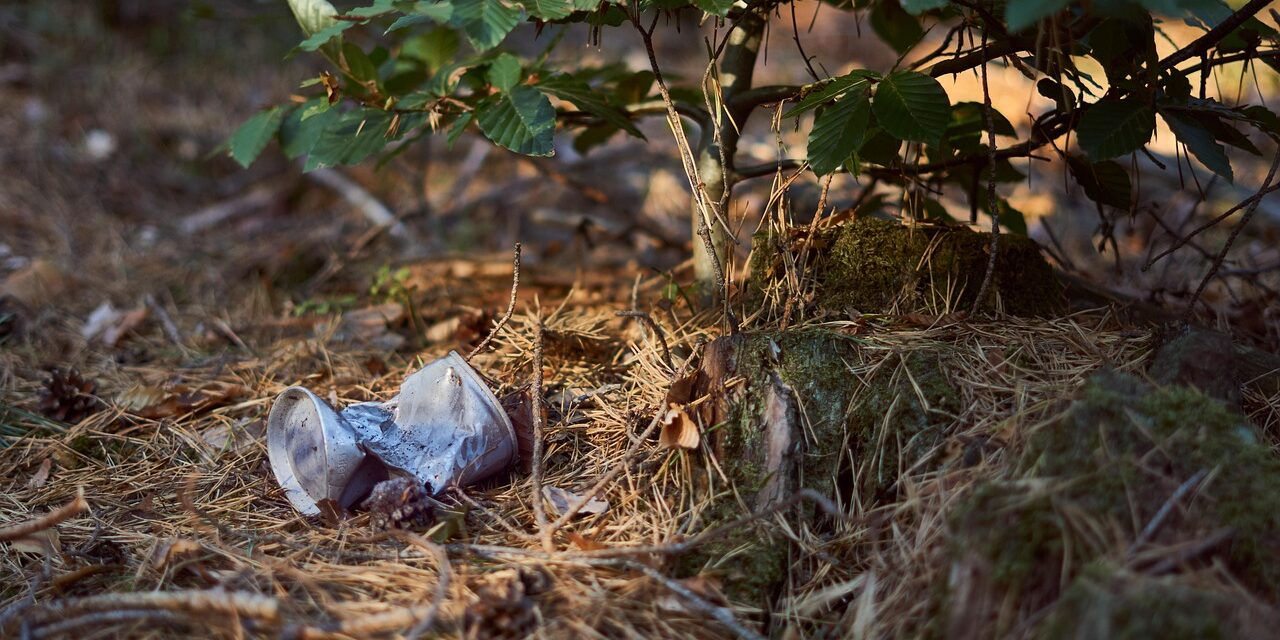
(511, 305)
(722, 614)
(993, 207)
(222, 212)
(46, 521)
(1235, 233)
(361, 199)
(648, 321)
(1213, 36)
(539, 432)
(1158, 520)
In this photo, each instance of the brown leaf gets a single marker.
(925, 320)
(108, 325)
(678, 429)
(44, 543)
(582, 542)
(154, 403)
(41, 476)
(519, 408)
(173, 549)
(330, 86)
(562, 499)
(36, 284)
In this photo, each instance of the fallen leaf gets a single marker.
(678, 429)
(36, 284)
(108, 325)
(41, 476)
(372, 326)
(44, 543)
(997, 359)
(173, 549)
(582, 542)
(155, 403)
(562, 499)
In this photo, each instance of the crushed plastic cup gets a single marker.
(444, 428)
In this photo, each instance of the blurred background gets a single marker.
(116, 189)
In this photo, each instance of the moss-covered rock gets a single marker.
(1090, 484)
(799, 417)
(875, 266)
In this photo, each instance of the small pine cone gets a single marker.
(400, 503)
(68, 397)
(504, 609)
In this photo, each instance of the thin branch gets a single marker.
(768, 94)
(1235, 233)
(511, 305)
(648, 321)
(46, 521)
(1156, 521)
(993, 207)
(1215, 35)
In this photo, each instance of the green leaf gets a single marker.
(434, 48)
(521, 120)
(829, 90)
(504, 72)
(968, 119)
(423, 12)
(1103, 182)
(485, 23)
(586, 5)
(252, 137)
(458, 127)
(917, 7)
(313, 15)
(359, 64)
(1115, 127)
(302, 129)
(592, 137)
(351, 138)
(634, 87)
(714, 7)
(880, 147)
(549, 9)
(323, 36)
(379, 7)
(912, 106)
(838, 131)
(1201, 143)
(581, 95)
(1021, 14)
(896, 27)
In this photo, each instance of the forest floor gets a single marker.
(186, 294)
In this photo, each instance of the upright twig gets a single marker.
(539, 430)
(1222, 255)
(511, 305)
(992, 207)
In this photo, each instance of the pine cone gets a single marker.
(68, 397)
(504, 609)
(400, 503)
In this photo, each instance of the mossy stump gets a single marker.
(877, 266)
(851, 441)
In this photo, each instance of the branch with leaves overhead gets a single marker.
(440, 66)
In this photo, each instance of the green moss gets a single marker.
(872, 266)
(1106, 604)
(1091, 481)
(885, 420)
